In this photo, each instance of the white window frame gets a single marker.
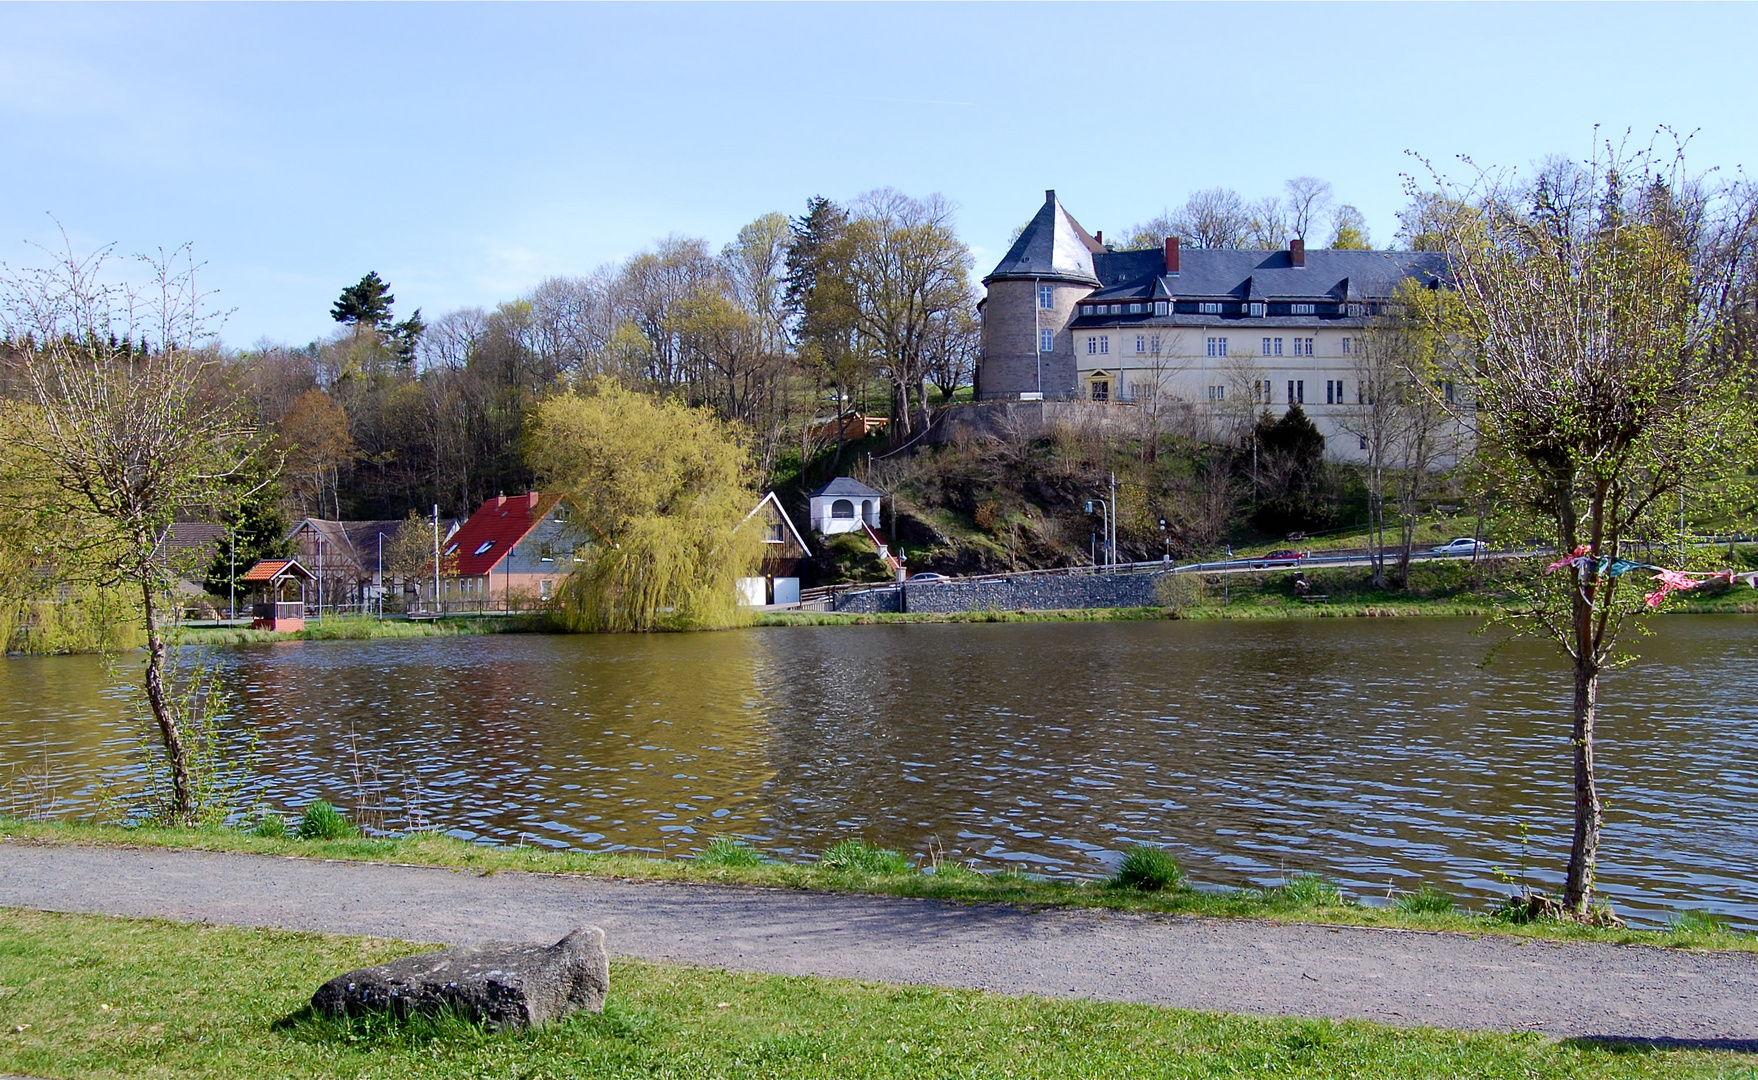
(1104, 345)
(1092, 346)
(1047, 297)
(1046, 341)
(1141, 343)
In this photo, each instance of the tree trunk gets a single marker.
(175, 753)
(1584, 850)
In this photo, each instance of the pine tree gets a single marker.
(365, 303)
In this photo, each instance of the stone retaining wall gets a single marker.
(1036, 592)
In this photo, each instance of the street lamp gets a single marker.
(1105, 524)
(1165, 542)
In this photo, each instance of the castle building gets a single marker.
(1209, 331)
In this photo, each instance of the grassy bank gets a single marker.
(102, 997)
(854, 867)
(364, 628)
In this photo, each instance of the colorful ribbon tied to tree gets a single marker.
(1670, 581)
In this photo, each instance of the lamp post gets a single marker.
(1104, 524)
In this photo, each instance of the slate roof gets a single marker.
(498, 525)
(847, 487)
(1052, 247)
(1227, 274)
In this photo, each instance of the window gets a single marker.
(842, 508)
(1092, 346)
(1104, 346)
(1141, 343)
(1266, 346)
(1217, 393)
(775, 533)
(1208, 309)
(546, 583)
(1046, 297)
(1159, 307)
(1278, 346)
(1111, 309)
(1257, 309)
(1217, 346)
(1135, 309)
(1154, 344)
(1296, 391)
(1447, 388)
(480, 548)
(1262, 393)
(1346, 347)
(1046, 341)
(1101, 390)
(545, 552)
(1300, 309)
(1364, 442)
(1334, 392)
(1302, 346)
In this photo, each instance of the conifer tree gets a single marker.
(365, 303)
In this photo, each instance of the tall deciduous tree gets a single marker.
(904, 268)
(130, 434)
(1594, 306)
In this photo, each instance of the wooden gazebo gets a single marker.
(273, 611)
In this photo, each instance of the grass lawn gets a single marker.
(853, 867)
(87, 996)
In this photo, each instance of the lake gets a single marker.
(1376, 752)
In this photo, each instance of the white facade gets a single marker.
(834, 513)
(1224, 372)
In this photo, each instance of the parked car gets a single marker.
(1279, 557)
(927, 577)
(1464, 545)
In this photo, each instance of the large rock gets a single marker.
(506, 986)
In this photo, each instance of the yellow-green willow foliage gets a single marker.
(57, 588)
(661, 492)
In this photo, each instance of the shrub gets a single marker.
(722, 851)
(271, 827)
(856, 857)
(1425, 901)
(1147, 868)
(324, 822)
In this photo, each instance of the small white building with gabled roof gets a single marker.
(843, 505)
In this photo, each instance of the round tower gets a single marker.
(1030, 298)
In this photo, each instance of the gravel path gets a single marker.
(1233, 965)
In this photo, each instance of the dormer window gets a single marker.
(1257, 309)
(1300, 309)
(1159, 307)
(1046, 297)
(1209, 308)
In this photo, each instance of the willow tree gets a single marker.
(1592, 302)
(133, 424)
(661, 492)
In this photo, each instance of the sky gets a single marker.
(466, 152)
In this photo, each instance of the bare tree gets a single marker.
(134, 426)
(1309, 199)
(903, 269)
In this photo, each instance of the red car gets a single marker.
(1279, 557)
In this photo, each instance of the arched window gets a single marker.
(842, 508)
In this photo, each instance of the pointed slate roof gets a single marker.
(1053, 246)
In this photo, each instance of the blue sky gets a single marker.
(466, 152)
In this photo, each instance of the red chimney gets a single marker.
(1297, 251)
(531, 500)
(1171, 254)
(1100, 236)
(500, 500)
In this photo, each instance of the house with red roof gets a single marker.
(513, 552)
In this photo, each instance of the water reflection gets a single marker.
(1374, 752)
